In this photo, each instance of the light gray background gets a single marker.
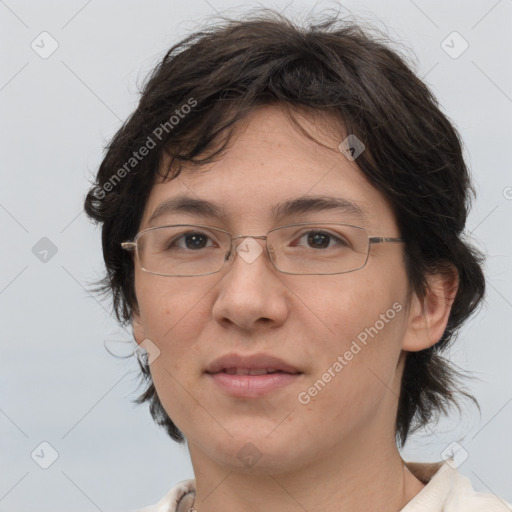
(58, 382)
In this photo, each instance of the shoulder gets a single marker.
(464, 497)
(447, 490)
(178, 494)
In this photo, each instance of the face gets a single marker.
(340, 335)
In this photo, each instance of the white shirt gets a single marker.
(446, 490)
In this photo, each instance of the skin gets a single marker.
(337, 452)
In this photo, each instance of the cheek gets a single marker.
(362, 325)
(340, 308)
(172, 309)
(173, 315)
(375, 318)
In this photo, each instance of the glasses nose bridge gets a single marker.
(261, 237)
(268, 250)
(258, 237)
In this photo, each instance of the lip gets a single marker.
(252, 362)
(247, 386)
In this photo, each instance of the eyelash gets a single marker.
(340, 241)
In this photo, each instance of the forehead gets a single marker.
(269, 163)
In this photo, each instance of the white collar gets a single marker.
(446, 490)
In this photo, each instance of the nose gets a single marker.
(251, 295)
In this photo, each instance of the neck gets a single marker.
(345, 479)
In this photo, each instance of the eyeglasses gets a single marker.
(320, 248)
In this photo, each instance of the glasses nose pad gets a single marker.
(271, 252)
(229, 252)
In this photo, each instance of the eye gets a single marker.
(193, 240)
(323, 240)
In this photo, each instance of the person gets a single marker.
(283, 229)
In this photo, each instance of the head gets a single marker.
(248, 115)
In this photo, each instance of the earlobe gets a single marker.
(138, 328)
(428, 315)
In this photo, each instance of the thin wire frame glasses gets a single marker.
(321, 248)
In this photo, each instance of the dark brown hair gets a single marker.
(209, 81)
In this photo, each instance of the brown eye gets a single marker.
(322, 240)
(193, 240)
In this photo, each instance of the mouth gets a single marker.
(251, 376)
(254, 364)
(252, 371)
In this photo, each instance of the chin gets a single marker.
(253, 451)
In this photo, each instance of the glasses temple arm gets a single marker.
(382, 239)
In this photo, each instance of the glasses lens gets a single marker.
(320, 248)
(184, 250)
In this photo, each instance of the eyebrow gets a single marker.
(299, 205)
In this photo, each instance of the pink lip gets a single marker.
(253, 361)
(245, 386)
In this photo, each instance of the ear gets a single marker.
(429, 315)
